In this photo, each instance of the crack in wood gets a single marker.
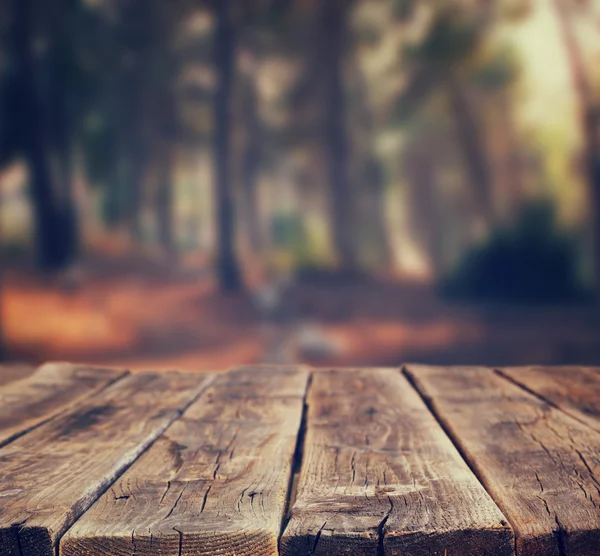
(180, 546)
(381, 529)
(176, 501)
(317, 538)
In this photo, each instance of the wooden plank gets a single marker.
(51, 390)
(10, 372)
(541, 466)
(575, 390)
(380, 476)
(51, 475)
(215, 483)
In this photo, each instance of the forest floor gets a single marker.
(143, 317)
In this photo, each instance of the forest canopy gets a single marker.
(348, 136)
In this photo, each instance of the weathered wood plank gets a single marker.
(51, 475)
(10, 372)
(380, 476)
(575, 390)
(215, 483)
(52, 389)
(541, 466)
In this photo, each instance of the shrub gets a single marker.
(530, 261)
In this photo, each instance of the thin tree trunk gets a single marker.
(133, 97)
(374, 218)
(590, 125)
(50, 228)
(136, 179)
(250, 165)
(3, 354)
(135, 152)
(333, 29)
(425, 214)
(473, 149)
(514, 180)
(164, 201)
(62, 124)
(227, 267)
(370, 173)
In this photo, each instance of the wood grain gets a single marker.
(51, 390)
(10, 372)
(51, 475)
(540, 465)
(381, 477)
(575, 390)
(215, 483)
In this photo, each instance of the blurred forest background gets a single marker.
(199, 183)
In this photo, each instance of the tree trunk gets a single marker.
(61, 120)
(164, 201)
(371, 180)
(512, 186)
(251, 164)
(52, 231)
(333, 30)
(227, 266)
(590, 125)
(3, 354)
(133, 106)
(425, 215)
(473, 149)
(374, 222)
(135, 184)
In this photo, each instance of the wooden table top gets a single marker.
(288, 460)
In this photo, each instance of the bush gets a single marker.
(531, 261)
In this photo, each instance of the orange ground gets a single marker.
(142, 320)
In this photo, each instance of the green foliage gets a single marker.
(531, 261)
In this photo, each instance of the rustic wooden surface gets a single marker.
(215, 483)
(575, 390)
(53, 474)
(540, 465)
(284, 460)
(15, 371)
(380, 473)
(52, 389)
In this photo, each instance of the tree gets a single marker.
(251, 159)
(263, 28)
(369, 182)
(443, 61)
(228, 271)
(589, 117)
(333, 28)
(164, 199)
(136, 40)
(54, 219)
(2, 345)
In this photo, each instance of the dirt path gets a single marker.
(145, 322)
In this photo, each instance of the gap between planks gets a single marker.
(45, 526)
(376, 533)
(428, 401)
(577, 534)
(297, 460)
(299, 447)
(236, 402)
